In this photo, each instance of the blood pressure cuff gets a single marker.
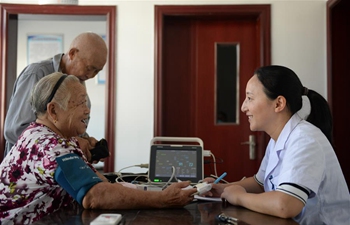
(75, 176)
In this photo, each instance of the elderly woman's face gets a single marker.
(72, 121)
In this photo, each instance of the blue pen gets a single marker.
(219, 178)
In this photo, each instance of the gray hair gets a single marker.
(43, 89)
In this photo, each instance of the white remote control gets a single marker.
(107, 219)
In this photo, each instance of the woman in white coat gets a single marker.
(300, 176)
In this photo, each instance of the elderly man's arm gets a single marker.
(20, 113)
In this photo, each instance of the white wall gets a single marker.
(298, 41)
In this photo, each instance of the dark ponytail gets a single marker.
(320, 114)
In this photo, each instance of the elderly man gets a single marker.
(85, 58)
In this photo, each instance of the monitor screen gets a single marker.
(186, 161)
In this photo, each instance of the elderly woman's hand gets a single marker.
(178, 194)
(86, 144)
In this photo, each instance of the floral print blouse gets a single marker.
(28, 190)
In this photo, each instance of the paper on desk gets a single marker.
(212, 199)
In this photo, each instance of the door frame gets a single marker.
(7, 10)
(337, 78)
(261, 12)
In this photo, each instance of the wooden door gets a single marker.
(186, 80)
(338, 34)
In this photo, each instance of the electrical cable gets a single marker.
(214, 161)
(120, 176)
(140, 165)
(171, 178)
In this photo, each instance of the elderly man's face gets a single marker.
(87, 65)
(86, 69)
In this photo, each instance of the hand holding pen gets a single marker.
(220, 178)
(204, 187)
(217, 188)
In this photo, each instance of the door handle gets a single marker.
(251, 144)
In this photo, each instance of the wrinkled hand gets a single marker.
(175, 196)
(86, 144)
(232, 193)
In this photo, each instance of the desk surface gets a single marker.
(200, 212)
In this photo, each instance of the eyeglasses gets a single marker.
(227, 219)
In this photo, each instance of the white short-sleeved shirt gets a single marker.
(302, 163)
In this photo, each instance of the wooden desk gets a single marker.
(195, 213)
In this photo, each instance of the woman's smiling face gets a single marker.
(72, 122)
(259, 109)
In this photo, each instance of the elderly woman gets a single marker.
(46, 170)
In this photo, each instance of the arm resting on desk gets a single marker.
(249, 184)
(273, 203)
(106, 195)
